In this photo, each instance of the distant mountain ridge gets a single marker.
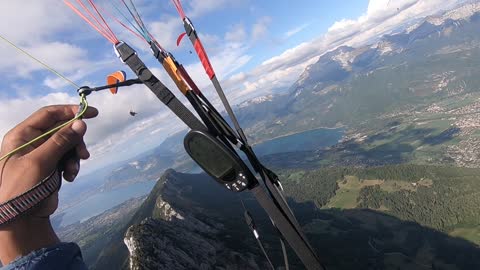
(348, 86)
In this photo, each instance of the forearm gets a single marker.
(27, 201)
(24, 235)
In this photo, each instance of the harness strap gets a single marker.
(22, 203)
(291, 235)
(130, 57)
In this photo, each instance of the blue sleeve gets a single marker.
(65, 256)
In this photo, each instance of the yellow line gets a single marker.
(40, 62)
(79, 115)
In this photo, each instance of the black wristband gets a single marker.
(22, 203)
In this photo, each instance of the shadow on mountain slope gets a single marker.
(344, 239)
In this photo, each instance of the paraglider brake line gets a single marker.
(81, 111)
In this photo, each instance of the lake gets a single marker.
(303, 141)
(100, 202)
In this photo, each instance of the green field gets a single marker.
(348, 190)
(442, 198)
(471, 233)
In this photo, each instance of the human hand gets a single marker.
(25, 169)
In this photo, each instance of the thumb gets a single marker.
(51, 151)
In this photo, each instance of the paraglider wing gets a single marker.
(114, 78)
(179, 39)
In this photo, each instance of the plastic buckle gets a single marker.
(116, 51)
(190, 25)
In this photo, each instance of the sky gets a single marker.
(256, 48)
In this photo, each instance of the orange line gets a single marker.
(99, 25)
(106, 24)
(70, 5)
(178, 5)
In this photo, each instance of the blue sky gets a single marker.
(286, 25)
(256, 47)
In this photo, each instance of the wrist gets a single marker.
(36, 196)
(24, 235)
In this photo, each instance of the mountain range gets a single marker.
(430, 61)
(410, 98)
(180, 225)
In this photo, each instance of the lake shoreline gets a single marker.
(102, 201)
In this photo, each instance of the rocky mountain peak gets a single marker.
(176, 237)
(256, 100)
(462, 12)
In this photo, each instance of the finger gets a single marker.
(41, 121)
(14, 139)
(48, 117)
(71, 169)
(50, 153)
(82, 151)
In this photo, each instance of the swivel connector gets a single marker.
(84, 90)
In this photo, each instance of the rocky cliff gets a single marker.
(180, 238)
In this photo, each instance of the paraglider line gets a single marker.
(40, 62)
(82, 109)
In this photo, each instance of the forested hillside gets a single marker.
(443, 198)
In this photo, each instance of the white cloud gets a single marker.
(236, 33)
(381, 17)
(200, 7)
(341, 26)
(167, 30)
(197, 8)
(276, 73)
(281, 71)
(169, 27)
(19, 108)
(63, 56)
(260, 28)
(296, 30)
(34, 21)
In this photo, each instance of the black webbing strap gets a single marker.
(192, 35)
(199, 102)
(197, 105)
(251, 225)
(294, 239)
(285, 255)
(130, 57)
(227, 106)
(269, 179)
(156, 52)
